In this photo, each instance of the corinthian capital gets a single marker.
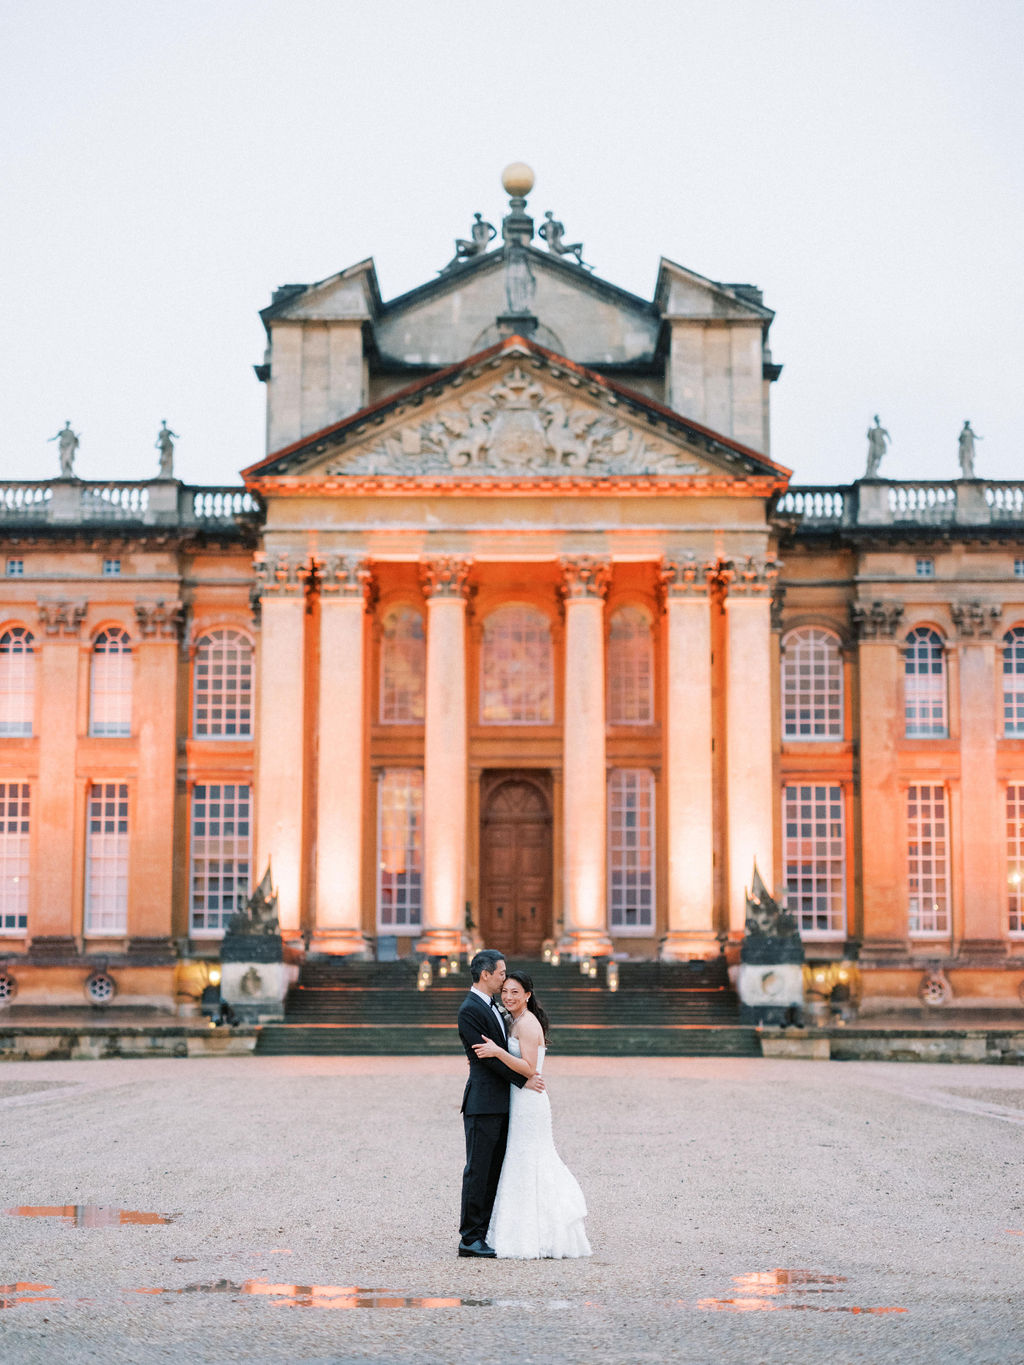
(345, 576)
(751, 576)
(876, 620)
(61, 617)
(975, 619)
(685, 575)
(279, 574)
(445, 576)
(585, 576)
(159, 620)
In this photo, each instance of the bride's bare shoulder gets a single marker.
(529, 1027)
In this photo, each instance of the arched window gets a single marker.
(222, 686)
(17, 681)
(630, 668)
(402, 667)
(1013, 681)
(812, 685)
(924, 679)
(110, 693)
(516, 682)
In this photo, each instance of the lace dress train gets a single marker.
(539, 1208)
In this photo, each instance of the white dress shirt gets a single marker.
(475, 990)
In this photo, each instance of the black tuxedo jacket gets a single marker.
(489, 1078)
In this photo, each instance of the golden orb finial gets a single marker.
(517, 179)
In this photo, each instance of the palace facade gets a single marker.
(518, 635)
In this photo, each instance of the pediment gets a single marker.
(518, 413)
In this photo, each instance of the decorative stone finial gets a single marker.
(517, 179)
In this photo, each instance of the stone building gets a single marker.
(517, 634)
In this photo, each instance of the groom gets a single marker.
(485, 1103)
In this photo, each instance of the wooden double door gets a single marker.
(515, 862)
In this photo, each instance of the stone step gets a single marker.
(403, 1040)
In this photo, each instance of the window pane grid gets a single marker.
(1013, 682)
(110, 707)
(1015, 855)
(106, 859)
(221, 853)
(812, 686)
(815, 858)
(402, 668)
(924, 668)
(631, 849)
(517, 686)
(17, 681)
(222, 686)
(927, 860)
(630, 669)
(400, 849)
(14, 857)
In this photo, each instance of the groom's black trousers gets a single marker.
(486, 1136)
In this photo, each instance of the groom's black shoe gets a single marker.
(477, 1248)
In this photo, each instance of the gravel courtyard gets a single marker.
(740, 1211)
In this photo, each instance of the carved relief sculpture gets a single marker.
(61, 617)
(876, 620)
(279, 574)
(518, 426)
(751, 576)
(345, 576)
(975, 619)
(585, 576)
(160, 620)
(686, 575)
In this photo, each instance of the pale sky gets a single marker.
(166, 163)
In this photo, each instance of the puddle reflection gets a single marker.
(329, 1295)
(760, 1290)
(90, 1215)
(11, 1295)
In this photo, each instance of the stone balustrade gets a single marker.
(67, 502)
(918, 502)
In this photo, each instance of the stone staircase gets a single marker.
(339, 1007)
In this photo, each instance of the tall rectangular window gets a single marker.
(400, 851)
(815, 857)
(14, 831)
(106, 859)
(221, 854)
(927, 860)
(1015, 855)
(631, 851)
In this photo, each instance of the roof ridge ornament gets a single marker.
(552, 232)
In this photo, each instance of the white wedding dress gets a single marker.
(539, 1208)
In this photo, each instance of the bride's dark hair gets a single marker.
(526, 981)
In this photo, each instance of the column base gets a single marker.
(340, 943)
(443, 943)
(581, 943)
(686, 945)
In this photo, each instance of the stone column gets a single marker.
(883, 813)
(982, 838)
(341, 757)
(154, 722)
(280, 733)
(688, 761)
(750, 792)
(584, 768)
(445, 757)
(55, 911)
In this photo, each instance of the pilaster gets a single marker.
(688, 742)
(585, 585)
(445, 585)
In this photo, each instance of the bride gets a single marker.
(539, 1208)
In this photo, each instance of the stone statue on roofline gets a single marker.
(481, 234)
(67, 444)
(968, 436)
(770, 982)
(553, 233)
(878, 440)
(165, 439)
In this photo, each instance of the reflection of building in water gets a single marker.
(517, 633)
